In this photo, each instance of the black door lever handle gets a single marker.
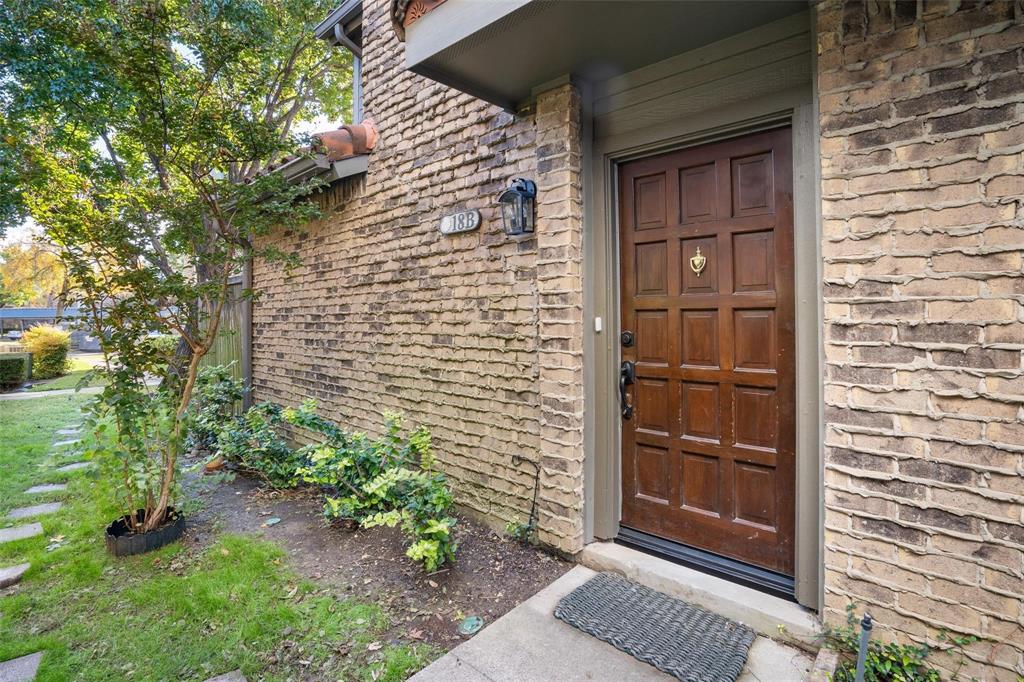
(627, 375)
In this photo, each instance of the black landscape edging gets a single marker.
(122, 542)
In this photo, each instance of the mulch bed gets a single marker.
(491, 575)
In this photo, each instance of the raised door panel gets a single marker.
(755, 417)
(651, 334)
(649, 202)
(754, 340)
(651, 269)
(701, 405)
(753, 185)
(652, 406)
(651, 474)
(700, 338)
(753, 256)
(701, 483)
(698, 195)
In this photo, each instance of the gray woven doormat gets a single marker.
(680, 639)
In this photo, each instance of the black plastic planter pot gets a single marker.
(122, 542)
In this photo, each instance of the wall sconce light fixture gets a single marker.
(517, 207)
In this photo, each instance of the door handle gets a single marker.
(627, 375)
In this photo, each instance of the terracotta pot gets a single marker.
(215, 464)
(121, 541)
(348, 140)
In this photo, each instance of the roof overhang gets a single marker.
(303, 168)
(311, 166)
(343, 26)
(502, 51)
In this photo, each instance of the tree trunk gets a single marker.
(177, 367)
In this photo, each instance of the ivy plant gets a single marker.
(885, 661)
(216, 394)
(254, 443)
(387, 481)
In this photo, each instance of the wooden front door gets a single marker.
(706, 249)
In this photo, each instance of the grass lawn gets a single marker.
(79, 367)
(181, 613)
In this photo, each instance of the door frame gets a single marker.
(795, 107)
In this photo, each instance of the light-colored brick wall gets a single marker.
(478, 336)
(922, 118)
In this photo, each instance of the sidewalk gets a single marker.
(26, 395)
(529, 644)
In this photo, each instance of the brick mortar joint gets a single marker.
(986, 493)
(924, 570)
(925, 528)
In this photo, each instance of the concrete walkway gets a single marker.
(529, 644)
(26, 395)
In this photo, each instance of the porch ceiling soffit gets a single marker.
(500, 50)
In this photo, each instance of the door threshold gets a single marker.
(766, 614)
(737, 571)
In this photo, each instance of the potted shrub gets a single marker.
(142, 153)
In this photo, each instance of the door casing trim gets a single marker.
(602, 489)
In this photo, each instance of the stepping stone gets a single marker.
(47, 488)
(62, 443)
(233, 676)
(36, 510)
(69, 432)
(75, 466)
(12, 574)
(21, 669)
(29, 530)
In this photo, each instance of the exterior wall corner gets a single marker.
(922, 177)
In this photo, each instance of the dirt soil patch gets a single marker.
(491, 574)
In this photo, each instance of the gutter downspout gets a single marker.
(246, 332)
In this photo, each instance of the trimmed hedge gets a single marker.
(15, 369)
(49, 347)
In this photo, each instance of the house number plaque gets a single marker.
(465, 221)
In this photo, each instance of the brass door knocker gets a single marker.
(697, 262)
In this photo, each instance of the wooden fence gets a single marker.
(227, 349)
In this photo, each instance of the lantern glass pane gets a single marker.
(510, 216)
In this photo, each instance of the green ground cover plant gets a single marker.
(213, 403)
(185, 612)
(254, 443)
(886, 661)
(386, 481)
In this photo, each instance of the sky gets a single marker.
(20, 233)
